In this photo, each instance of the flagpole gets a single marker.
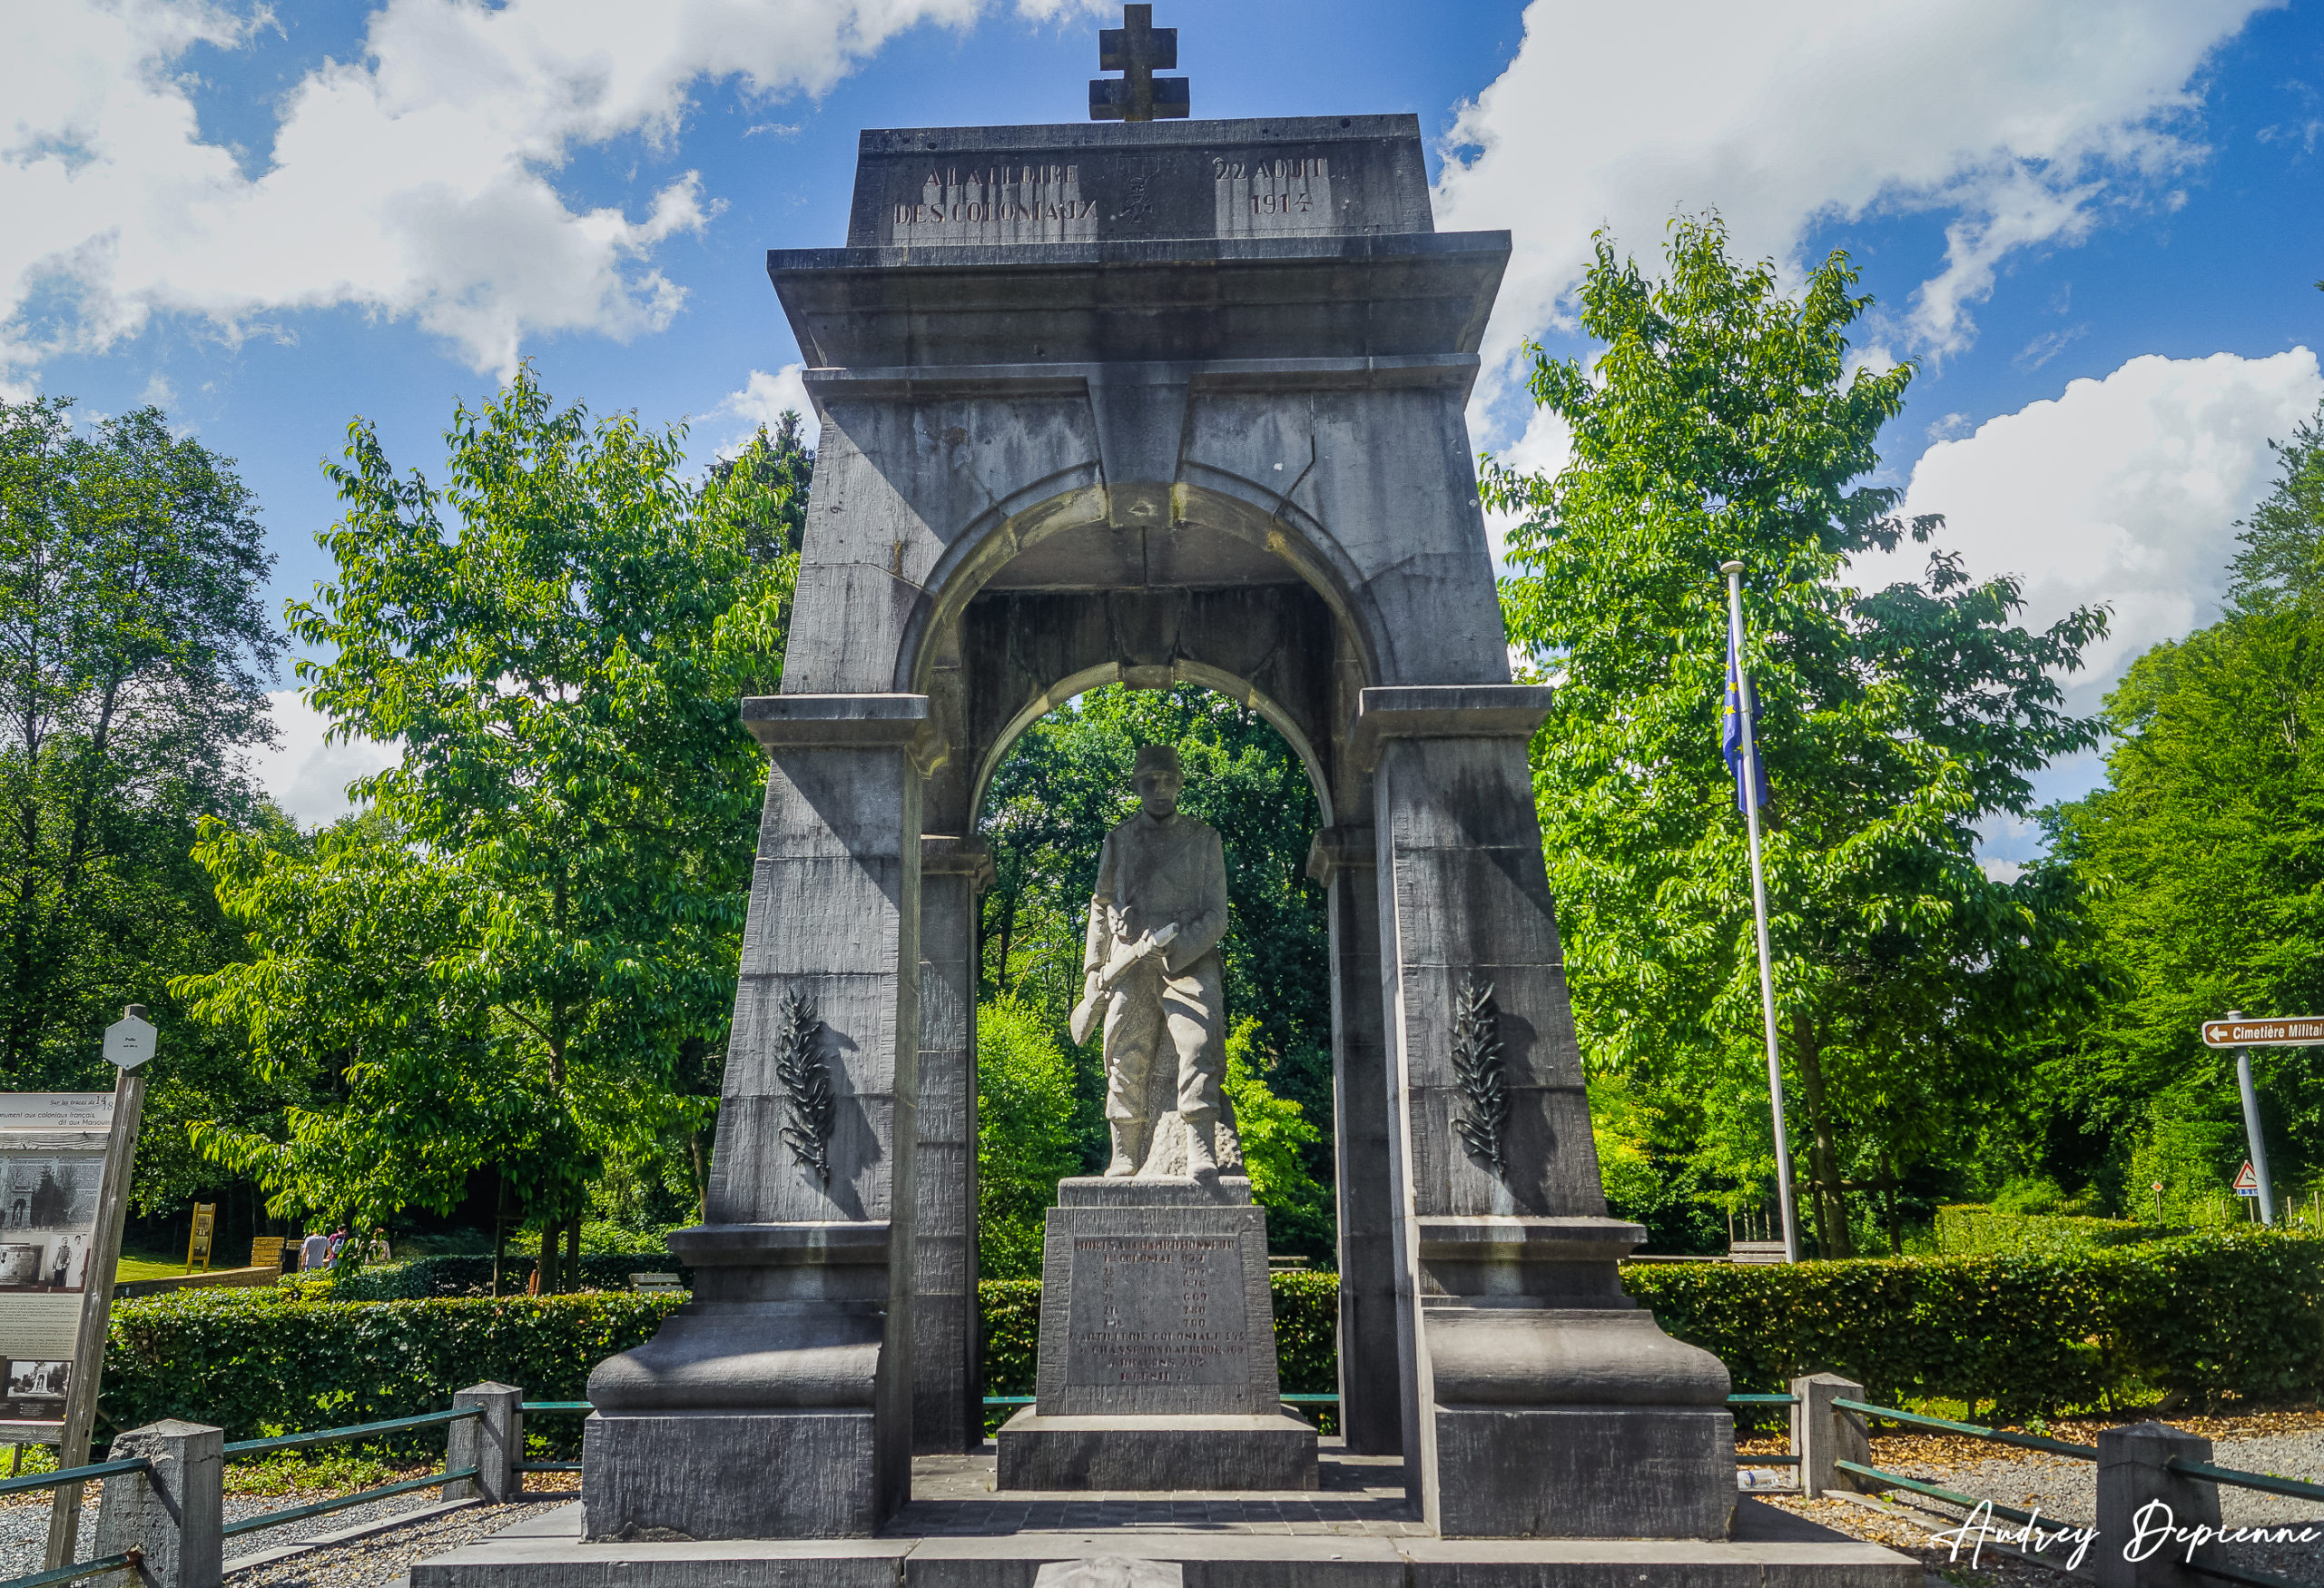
(1734, 572)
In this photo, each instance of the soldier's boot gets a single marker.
(1125, 1136)
(1202, 1153)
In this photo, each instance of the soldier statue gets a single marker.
(1151, 965)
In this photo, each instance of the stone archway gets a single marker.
(1280, 648)
(1045, 452)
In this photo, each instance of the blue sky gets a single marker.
(2098, 228)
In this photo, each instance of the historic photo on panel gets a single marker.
(48, 1216)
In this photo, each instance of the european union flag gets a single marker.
(1731, 737)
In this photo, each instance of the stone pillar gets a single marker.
(1545, 1403)
(1822, 1434)
(175, 1514)
(948, 1399)
(2139, 1500)
(1343, 859)
(777, 1404)
(492, 1444)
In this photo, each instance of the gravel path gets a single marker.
(385, 1558)
(24, 1534)
(2286, 1445)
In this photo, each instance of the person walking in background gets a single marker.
(314, 1252)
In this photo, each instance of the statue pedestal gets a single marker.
(1158, 1360)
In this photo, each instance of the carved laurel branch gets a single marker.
(1479, 1066)
(806, 1083)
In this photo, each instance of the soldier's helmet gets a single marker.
(1157, 758)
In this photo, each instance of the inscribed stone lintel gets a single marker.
(1076, 182)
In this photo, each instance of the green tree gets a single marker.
(782, 469)
(512, 963)
(2203, 855)
(1277, 1135)
(135, 655)
(134, 660)
(1025, 1141)
(1721, 420)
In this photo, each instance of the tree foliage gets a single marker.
(524, 956)
(1025, 1138)
(1722, 420)
(2205, 854)
(134, 656)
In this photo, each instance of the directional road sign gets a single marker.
(2298, 1030)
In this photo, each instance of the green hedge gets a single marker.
(2213, 1316)
(1973, 1229)
(264, 1362)
(421, 1278)
(2216, 1316)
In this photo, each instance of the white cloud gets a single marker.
(1545, 450)
(306, 776)
(762, 401)
(2124, 490)
(2025, 121)
(417, 180)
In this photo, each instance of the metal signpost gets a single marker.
(2305, 1031)
(129, 1043)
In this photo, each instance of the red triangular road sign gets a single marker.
(2245, 1180)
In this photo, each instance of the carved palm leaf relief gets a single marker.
(1479, 1066)
(806, 1082)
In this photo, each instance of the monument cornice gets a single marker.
(865, 721)
(1445, 711)
(909, 382)
(1204, 299)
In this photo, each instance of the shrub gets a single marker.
(2213, 1316)
(2232, 1315)
(422, 1278)
(263, 1362)
(1025, 1144)
(1969, 1230)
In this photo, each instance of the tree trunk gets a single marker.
(499, 1226)
(1832, 1238)
(1895, 1230)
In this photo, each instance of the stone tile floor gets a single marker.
(1359, 1496)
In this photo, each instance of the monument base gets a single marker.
(1767, 1546)
(703, 1475)
(1580, 1472)
(1159, 1453)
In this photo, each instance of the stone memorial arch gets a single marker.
(1150, 402)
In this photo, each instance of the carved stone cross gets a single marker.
(1135, 49)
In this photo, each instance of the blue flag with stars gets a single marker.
(1731, 736)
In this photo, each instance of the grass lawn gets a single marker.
(133, 1267)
